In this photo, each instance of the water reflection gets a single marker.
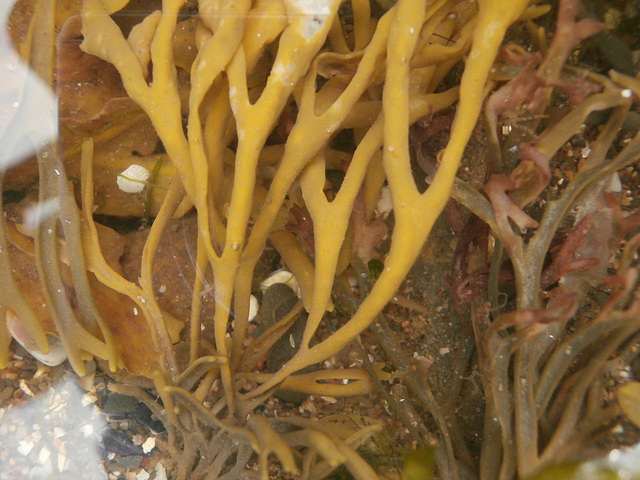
(56, 435)
(28, 108)
(625, 461)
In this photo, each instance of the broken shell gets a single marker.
(149, 444)
(385, 204)
(281, 276)
(615, 185)
(25, 447)
(253, 307)
(143, 475)
(161, 473)
(56, 354)
(133, 179)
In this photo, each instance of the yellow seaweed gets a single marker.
(262, 67)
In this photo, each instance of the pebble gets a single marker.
(119, 407)
(132, 462)
(143, 475)
(6, 393)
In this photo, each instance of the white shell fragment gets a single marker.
(18, 331)
(143, 475)
(615, 185)
(149, 444)
(385, 204)
(25, 447)
(281, 276)
(44, 455)
(133, 179)
(161, 473)
(253, 307)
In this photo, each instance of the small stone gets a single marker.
(119, 407)
(120, 443)
(161, 473)
(6, 394)
(132, 462)
(44, 455)
(143, 475)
